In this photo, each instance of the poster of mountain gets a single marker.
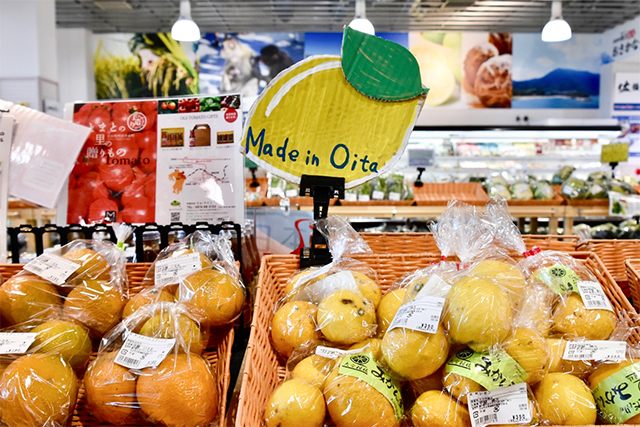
(556, 75)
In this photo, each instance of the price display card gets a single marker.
(506, 405)
(139, 351)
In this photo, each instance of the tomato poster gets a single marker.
(163, 160)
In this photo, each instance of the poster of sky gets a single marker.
(556, 75)
(331, 43)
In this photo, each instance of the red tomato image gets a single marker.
(126, 148)
(81, 116)
(78, 206)
(149, 108)
(150, 186)
(116, 177)
(99, 207)
(134, 191)
(83, 165)
(91, 183)
(138, 211)
(146, 140)
(150, 155)
(100, 119)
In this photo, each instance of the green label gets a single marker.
(365, 367)
(618, 396)
(559, 278)
(490, 370)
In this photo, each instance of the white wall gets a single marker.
(76, 76)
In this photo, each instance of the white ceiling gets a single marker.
(584, 16)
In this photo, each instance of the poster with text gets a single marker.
(161, 161)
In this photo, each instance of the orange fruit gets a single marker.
(92, 264)
(110, 391)
(146, 297)
(66, 339)
(205, 260)
(27, 296)
(189, 337)
(37, 390)
(180, 392)
(217, 294)
(96, 304)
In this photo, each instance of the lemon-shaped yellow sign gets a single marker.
(310, 120)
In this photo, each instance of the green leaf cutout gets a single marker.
(379, 68)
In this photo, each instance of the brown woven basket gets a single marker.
(378, 203)
(613, 253)
(411, 243)
(437, 194)
(218, 352)
(633, 273)
(263, 372)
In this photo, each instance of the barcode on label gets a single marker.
(593, 296)
(175, 216)
(131, 362)
(51, 267)
(595, 350)
(139, 351)
(488, 419)
(422, 315)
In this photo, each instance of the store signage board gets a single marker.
(614, 153)
(626, 92)
(159, 160)
(421, 157)
(6, 133)
(348, 116)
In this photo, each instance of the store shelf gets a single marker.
(537, 158)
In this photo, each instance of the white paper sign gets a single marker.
(421, 315)
(377, 195)
(319, 290)
(139, 351)
(394, 196)
(334, 353)
(595, 350)
(16, 342)
(626, 92)
(291, 193)
(363, 198)
(593, 296)
(350, 197)
(170, 270)
(505, 405)
(52, 267)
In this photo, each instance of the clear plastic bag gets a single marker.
(150, 368)
(199, 271)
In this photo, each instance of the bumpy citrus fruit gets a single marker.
(388, 308)
(414, 354)
(295, 403)
(572, 318)
(96, 304)
(292, 325)
(146, 297)
(92, 264)
(25, 297)
(345, 317)
(565, 400)
(165, 324)
(67, 339)
(435, 408)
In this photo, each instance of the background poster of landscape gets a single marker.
(556, 75)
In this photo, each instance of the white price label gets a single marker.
(363, 198)
(377, 195)
(421, 315)
(316, 292)
(52, 267)
(505, 405)
(435, 287)
(334, 353)
(16, 342)
(139, 351)
(171, 269)
(291, 193)
(394, 196)
(595, 350)
(593, 296)
(350, 197)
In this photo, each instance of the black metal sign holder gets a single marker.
(322, 189)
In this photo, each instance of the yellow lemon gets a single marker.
(375, 347)
(531, 351)
(314, 370)
(368, 287)
(345, 317)
(292, 325)
(67, 339)
(414, 354)
(435, 409)
(388, 308)
(432, 382)
(459, 386)
(506, 275)
(572, 318)
(298, 279)
(295, 403)
(27, 296)
(164, 324)
(578, 368)
(565, 400)
(477, 313)
(97, 304)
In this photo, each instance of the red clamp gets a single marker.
(533, 251)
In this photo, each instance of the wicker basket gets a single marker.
(435, 194)
(406, 243)
(633, 273)
(378, 203)
(218, 352)
(263, 372)
(613, 253)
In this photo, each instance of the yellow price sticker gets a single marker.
(613, 153)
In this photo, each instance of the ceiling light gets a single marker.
(185, 29)
(557, 29)
(360, 22)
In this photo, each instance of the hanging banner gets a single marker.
(6, 133)
(626, 92)
(165, 160)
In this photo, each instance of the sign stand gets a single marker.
(322, 189)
